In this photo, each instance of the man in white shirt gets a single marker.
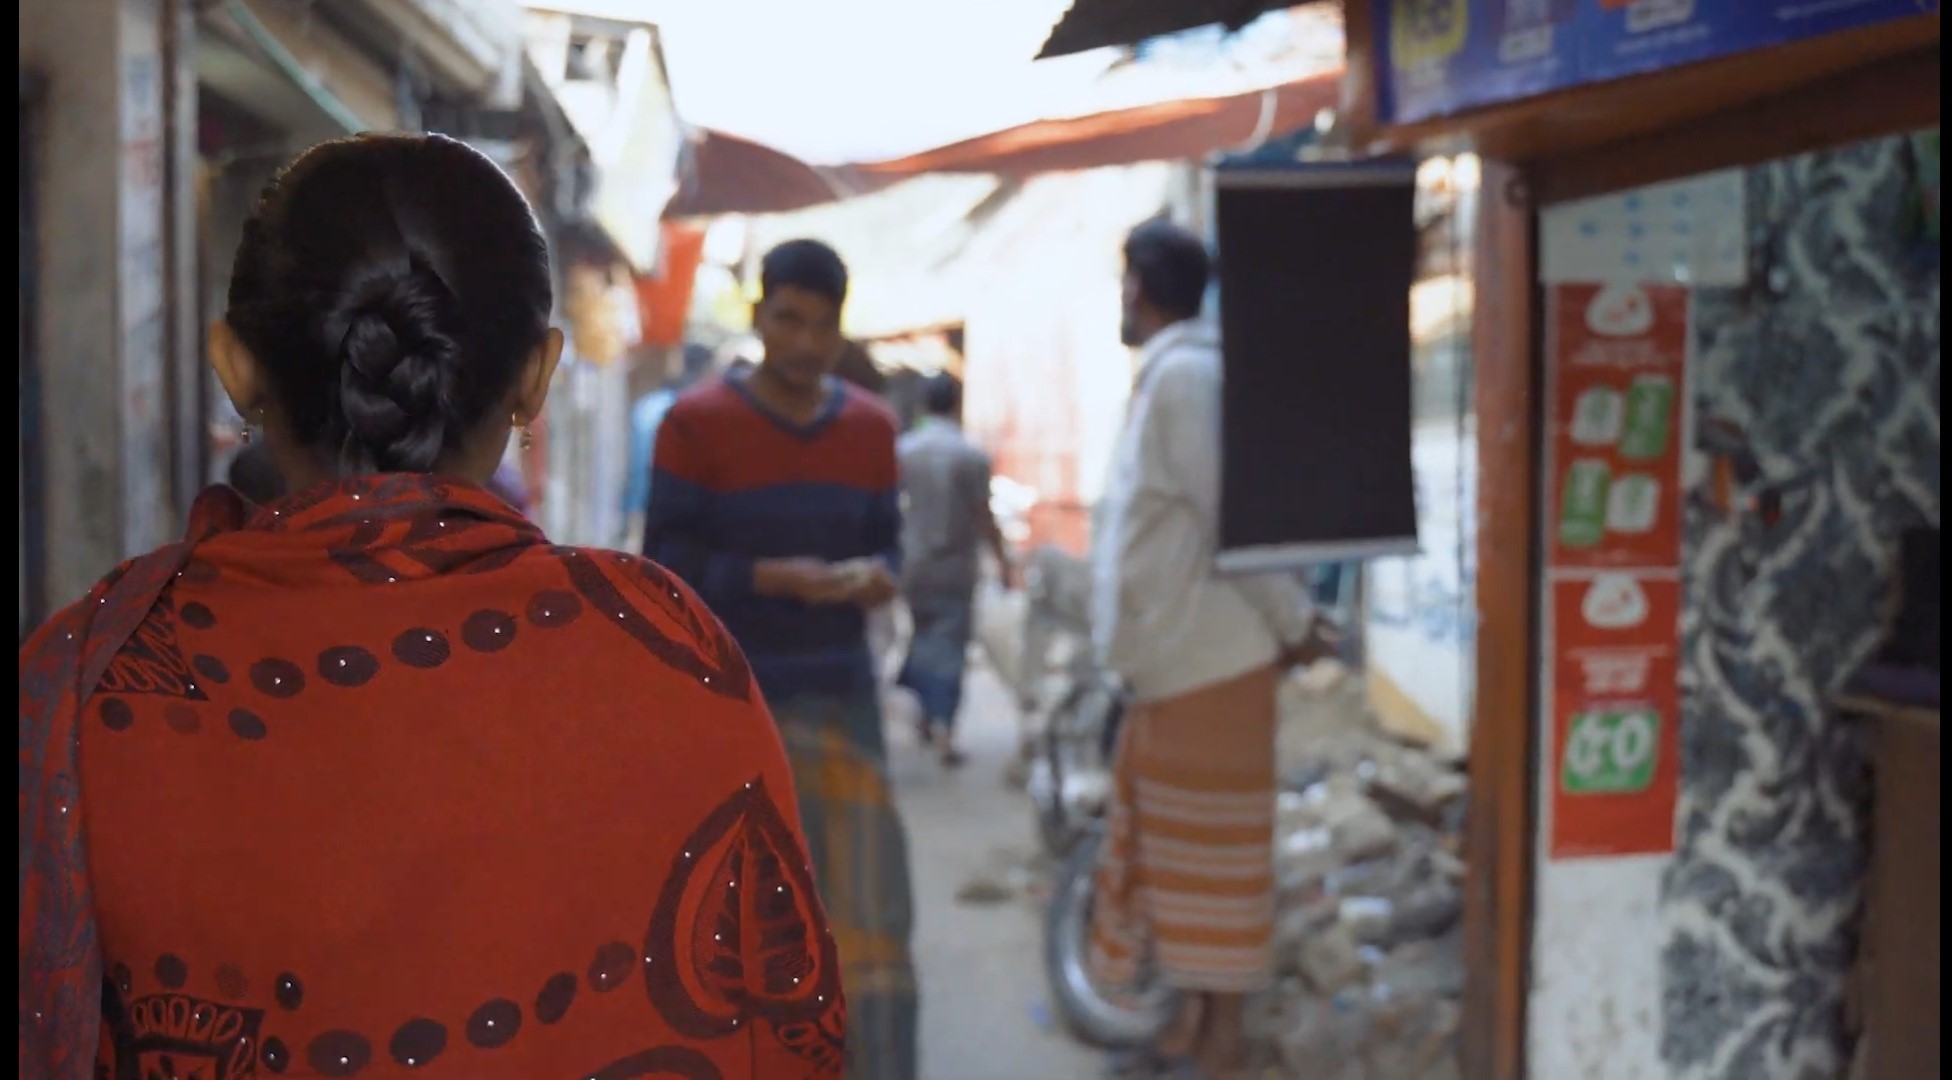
(1187, 886)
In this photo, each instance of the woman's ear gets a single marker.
(532, 389)
(237, 369)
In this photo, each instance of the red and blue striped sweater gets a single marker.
(733, 483)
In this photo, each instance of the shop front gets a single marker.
(1706, 341)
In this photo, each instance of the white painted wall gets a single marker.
(1595, 993)
(1419, 610)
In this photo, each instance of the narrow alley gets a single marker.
(1425, 514)
(985, 1012)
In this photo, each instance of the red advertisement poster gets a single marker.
(1615, 708)
(1618, 356)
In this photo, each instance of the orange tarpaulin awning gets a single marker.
(724, 174)
(1170, 130)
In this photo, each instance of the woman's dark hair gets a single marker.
(1171, 265)
(391, 286)
(805, 264)
(942, 395)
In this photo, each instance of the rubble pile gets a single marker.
(1369, 936)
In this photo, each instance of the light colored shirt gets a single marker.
(1162, 619)
(945, 488)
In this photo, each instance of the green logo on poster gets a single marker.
(1610, 751)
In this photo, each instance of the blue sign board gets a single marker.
(1446, 56)
(1617, 39)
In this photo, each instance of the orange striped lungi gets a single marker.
(1186, 885)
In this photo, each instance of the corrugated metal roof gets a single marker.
(1095, 24)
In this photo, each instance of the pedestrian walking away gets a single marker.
(947, 523)
(774, 492)
(374, 778)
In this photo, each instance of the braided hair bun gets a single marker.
(391, 286)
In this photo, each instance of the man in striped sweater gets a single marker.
(774, 493)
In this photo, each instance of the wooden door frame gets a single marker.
(1498, 838)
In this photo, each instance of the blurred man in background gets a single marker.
(775, 495)
(947, 524)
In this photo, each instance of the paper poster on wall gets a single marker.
(1617, 367)
(1618, 355)
(1615, 708)
(1685, 232)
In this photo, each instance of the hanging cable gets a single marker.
(290, 66)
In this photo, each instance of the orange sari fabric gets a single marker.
(375, 780)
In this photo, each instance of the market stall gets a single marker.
(1707, 381)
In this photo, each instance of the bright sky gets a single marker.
(861, 80)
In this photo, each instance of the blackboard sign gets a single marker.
(1315, 268)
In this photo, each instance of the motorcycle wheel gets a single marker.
(1085, 1009)
(1057, 824)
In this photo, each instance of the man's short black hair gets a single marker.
(805, 264)
(942, 395)
(1171, 265)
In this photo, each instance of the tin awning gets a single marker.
(1095, 24)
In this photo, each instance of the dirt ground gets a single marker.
(985, 1012)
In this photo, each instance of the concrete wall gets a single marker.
(103, 335)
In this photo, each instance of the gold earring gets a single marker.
(244, 434)
(526, 438)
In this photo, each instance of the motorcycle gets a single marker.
(1074, 712)
(1070, 787)
(1071, 703)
